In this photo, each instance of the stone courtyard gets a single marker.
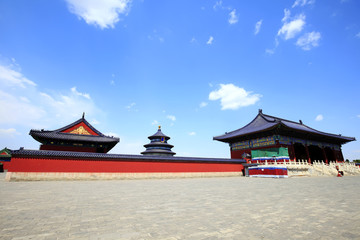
(192, 208)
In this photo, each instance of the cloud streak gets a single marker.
(258, 27)
(309, 40)
(232, 97)
(103, 14)
(291, 28)
(34, 108)
(233, 18)
(210, 41)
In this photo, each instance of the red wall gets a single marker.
(123, 166)
(6, 164)
(267, 171)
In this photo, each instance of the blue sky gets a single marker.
(197, 68)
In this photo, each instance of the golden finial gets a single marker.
(159, 127)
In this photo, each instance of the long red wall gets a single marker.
(19, 164)
(6, 164)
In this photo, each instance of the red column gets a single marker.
(307, 154)
(292, 151)
(336, 155)
(325, 157)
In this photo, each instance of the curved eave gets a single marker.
(42, 136)
(248, 129)
(228, 139)
(158, 145)
(158, 137)
(263, 123)
(78, 122)
(158, 151)
(331, 137)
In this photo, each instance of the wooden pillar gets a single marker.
(307, 154)
(336, 155)
(292, 150)
(325, 157)
(341, 155)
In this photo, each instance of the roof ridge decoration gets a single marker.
(81, 127)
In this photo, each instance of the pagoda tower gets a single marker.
(158, 145)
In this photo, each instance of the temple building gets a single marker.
(276, 139)
(5, 158)
(78, 136)
(158, 145)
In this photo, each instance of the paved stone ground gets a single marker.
(197, 208)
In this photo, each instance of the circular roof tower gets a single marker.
(158, 145)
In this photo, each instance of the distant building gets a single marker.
(158, 145)
(78, 136)
(79, 151)
(276, 139)
(5, 158)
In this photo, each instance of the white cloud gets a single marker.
(257, 27)
(155, 35)
(193, 40)
(85, 95)
(233, 18)
(104, 13)
(192, 133)
(155, 122)
(94, 122)
(287, 14)
(130, 105)
(358, 35)
(171, 117)
(203, 104)
(233, 97)
(302, 3)
(291, 29)
(11, 132)
(211, 39)
(218, 4)
(319, 117)
(270, 51)
(31, 107)
(358, 116)
(22, 112)
(12, 78)
(309, 40)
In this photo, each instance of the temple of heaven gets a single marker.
(276, 139)
(78, 136)
(158, 145)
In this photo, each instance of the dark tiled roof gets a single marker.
(158, 151)
(37, 135)
(119, 157)
(59, 135)
(264, 122)
(158, 144)
(159, 134)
